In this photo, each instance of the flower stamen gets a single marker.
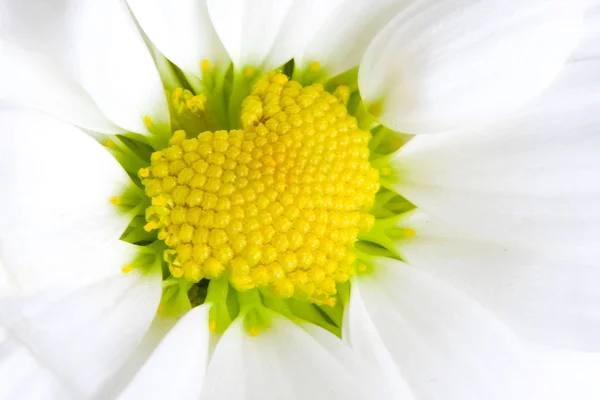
(276, 205)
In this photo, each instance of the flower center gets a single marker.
(276, 205)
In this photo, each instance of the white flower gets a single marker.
(498, 243)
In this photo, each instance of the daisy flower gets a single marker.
(350, 199)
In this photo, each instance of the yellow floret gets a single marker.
(278, 204)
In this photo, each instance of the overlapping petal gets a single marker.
(115, 66)
(184, 34)
(442, 65)
(24, 376)
(532, 177)
(445, 345)
(61, 58)
(180, 360)
(57, 221)
(590, 45)
(285, 28)
(544, 294)
(64, 301)
(283, 362)
(341, 41)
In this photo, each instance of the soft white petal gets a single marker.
(590, 45)
(443, 64)
(40, 27)
(180, 361)
(342, 40)
(65, 298)
(444, 344)
(368, 347)
(543, 294)
(116, 67)
(160, 327)
(357, 363)
(58, 224)
(530, 178)
(25, 377)
(248, 28)
(267, 34)
(31, 79)
(182, 32)
(283, 362)
(82, 333)
(568, 375)
(302, 23)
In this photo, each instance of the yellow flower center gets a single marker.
(276, 205)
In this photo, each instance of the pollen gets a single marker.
(205, 65)
(254, 331)
(315, 66)
(409, 233)
(276, 205)
(148, 121)
(127, 268)
(110, 144)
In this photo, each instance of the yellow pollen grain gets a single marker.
(147, 121)
(254, 331)
(385, 171)
(277, 204)
(115, 200)
(315, 66)
(205, 65)
(144, 173)
(249, 71)
(150, 226)
(185, 104)
(158, 201)
(110, 144)
(409, 233)
(212, 325)
(342, 93)
(127, 269)
(329, 301)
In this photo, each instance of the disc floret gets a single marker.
(276, 205)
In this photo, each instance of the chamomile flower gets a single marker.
(293, 199)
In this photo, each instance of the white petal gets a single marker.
(160, 327)
(40, 27)
(303, 21)
(568, 375)
(183, 33)
(445, 345)
(33, 80)
(551, 298)
(342, 40)
(180, 361)
(359, 364)
(443, 64)
(590, 45)
(283, 362)
(83, 333)
(116, 67)
(531, 178)
(65, 297)
(248, 29)
(367, 346)
(58, 224)
(24, 377)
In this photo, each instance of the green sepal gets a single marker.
(175, 300)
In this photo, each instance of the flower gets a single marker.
(460, 258)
